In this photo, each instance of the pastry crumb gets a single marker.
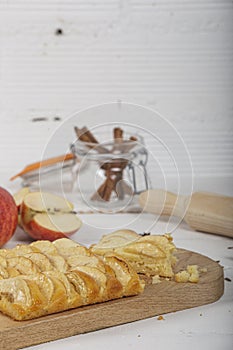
(156, 279)
(203, 270)
(182, 276)
(191, 274)
(160, 318)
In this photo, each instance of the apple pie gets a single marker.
(47, 277)
(148, 254)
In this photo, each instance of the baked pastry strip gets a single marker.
(147, 254)
(30, 288)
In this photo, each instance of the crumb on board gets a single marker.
(203, 270)
(182, 276)
(191, 274)
(160, 318)
(155, 279)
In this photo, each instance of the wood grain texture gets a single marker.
(175, 57)
(161, 298)
(206, 212)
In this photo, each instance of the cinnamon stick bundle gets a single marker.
(112, 168)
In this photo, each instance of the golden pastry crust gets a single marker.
(44, 277)
(149, 254)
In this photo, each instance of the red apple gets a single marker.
(46, 216)
(8, 216)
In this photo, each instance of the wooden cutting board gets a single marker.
(157, 299)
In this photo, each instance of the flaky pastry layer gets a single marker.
(148, 254)
(44, 278)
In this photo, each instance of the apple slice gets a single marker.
(46, 216)
(3, 273)
(47, 202)
(8, 216)
(49, 249)
(54, 226)
(41, 261)
(19, 196)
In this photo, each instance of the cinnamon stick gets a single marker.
(109, 187)
(118, 134)
(89, 134)
(85, 135)
(113, 168)
(99, 193)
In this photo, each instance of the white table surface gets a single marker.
(204, 327)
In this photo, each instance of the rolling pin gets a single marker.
(206, 212)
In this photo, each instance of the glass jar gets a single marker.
(58, 177)
(111, 174)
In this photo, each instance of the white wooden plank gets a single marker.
(173, 57)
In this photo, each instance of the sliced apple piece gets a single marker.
(67, 247)
(85, 285)
(45, 247)
(63, 244)
(115, 239)
(19, 291)
(77, 260)
(13, 272)
(3, 261)
(21, 250)
(45, 284)
(24, 265)
(18, 197)
(46, 216)
(52, 227)
(59, 301)
(47, 202)
(97, 275)
(3, 273)
(41, 261)
(73, 298)
(48, 249)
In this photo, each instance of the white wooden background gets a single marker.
(172, 56)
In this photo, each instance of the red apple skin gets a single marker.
(8, 216)
(41, 233)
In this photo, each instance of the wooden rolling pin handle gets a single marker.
(205, 212)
